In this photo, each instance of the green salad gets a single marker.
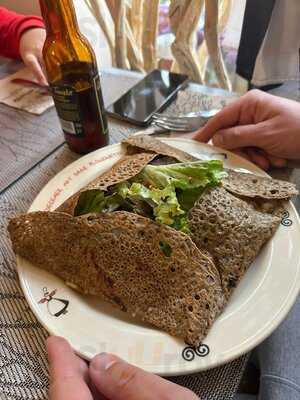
(164, 193)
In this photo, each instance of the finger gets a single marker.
(274, 161)
(259, 159)
(241, 136)
(95, 392)
(118, 380)
(241, 153)
(32, 62)
(228, 117)
(43, 69)
(68, 372)
(277, 162)
(244, 111)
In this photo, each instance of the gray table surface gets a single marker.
(32, 151)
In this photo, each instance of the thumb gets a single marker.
(68, 373)
(241, 136)
(117, 380)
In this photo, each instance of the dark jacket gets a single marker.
(255, 25)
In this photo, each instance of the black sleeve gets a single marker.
(255, 25)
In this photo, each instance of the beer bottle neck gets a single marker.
(59, 17)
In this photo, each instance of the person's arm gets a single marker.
(23, 37)
(12, 27)
(262, 127)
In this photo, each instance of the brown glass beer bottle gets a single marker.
(73, 76)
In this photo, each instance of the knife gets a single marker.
(28, 83)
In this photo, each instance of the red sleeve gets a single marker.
(12, 26)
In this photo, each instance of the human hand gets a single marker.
(31, 46)
(262, 127)
(107, 378)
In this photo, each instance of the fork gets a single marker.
(183, 123)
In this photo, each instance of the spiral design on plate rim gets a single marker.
(286, 221)
(189, 353)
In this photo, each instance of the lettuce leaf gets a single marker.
(164, 193)
(183, 176)
(96, 201)
(163, 201)
(187, 198)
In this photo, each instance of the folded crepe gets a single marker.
(168, 243)
(127, 167)
(253, 186)
(146, 269)
(232, 231)
(148, 143)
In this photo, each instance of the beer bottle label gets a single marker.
(76, 108)
(67, 106)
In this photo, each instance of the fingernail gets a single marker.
(103, 361)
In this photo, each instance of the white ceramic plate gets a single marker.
(258, 305)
